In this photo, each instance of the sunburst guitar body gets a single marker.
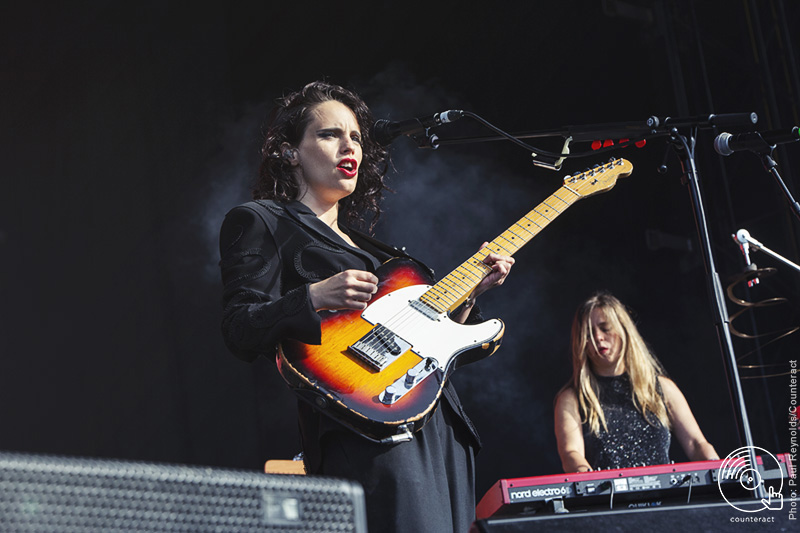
(381, 371)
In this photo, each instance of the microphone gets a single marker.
(385, 131)
(726, 144)
(743, 238)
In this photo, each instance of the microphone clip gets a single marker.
(426, 139)
(551, 162)
(741, 238)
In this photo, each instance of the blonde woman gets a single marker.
(619, 409)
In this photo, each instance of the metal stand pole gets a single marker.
(685, 151)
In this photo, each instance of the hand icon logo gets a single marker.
(774, 501)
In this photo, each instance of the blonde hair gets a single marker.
(641, 365)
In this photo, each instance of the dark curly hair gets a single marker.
(288, 123)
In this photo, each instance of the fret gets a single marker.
(472, 276)
(566, 202)
(529, 232)
(454, 287)
(497, 247)
(512, 244)
(458, 284)
(531, 220)
(516, 235)
(551, 207)
(542, 215)
(438, 293)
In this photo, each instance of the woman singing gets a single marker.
(295, 252)
(619, 409)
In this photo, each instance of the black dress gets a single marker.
(270, 253)
(630, 439)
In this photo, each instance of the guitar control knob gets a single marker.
(412, 376)
(390, 395)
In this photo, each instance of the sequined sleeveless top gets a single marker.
(630, 440)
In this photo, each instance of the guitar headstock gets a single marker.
(598, 179)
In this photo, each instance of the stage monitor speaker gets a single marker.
(47, 494)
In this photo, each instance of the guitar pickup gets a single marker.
(379, 348)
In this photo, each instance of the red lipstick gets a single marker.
(348, 166)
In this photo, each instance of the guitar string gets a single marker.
(531, 217)
(399, 322)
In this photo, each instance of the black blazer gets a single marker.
(270, 253)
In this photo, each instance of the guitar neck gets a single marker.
(454, 288)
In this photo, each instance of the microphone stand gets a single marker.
(684, 147)
(743, 237)
(651, 127)
(772, 167)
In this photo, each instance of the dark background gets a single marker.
(129, 129)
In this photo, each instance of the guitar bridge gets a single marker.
(379, 348)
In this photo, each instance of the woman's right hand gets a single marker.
(351, 289)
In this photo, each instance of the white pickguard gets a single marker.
(440, 338)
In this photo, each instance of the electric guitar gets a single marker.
(381, 371)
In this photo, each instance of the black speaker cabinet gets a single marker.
(45, 494)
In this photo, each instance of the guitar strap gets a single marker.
(391, 251)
